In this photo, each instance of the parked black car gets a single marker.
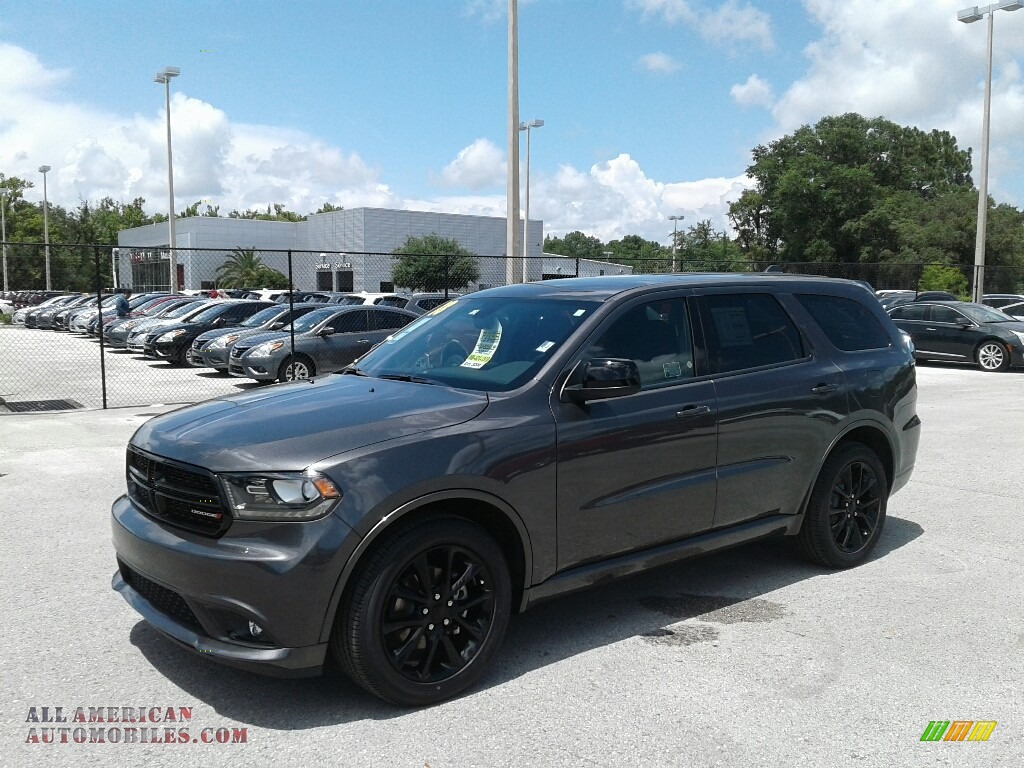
(212, 348)
(173, 342)
(962, 332)
(513, 445)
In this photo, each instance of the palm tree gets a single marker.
(243, 269)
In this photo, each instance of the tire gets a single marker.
(846, 511)
(414, 646)
(297, 370)
(992, 355)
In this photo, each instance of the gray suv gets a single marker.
(511, 446)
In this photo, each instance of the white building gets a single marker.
(347, 250)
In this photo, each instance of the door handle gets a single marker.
(693, 410)
(824, 389)
(363, 341)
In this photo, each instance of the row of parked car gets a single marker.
(990, 334)
(293, 337)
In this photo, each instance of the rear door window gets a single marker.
(748, 330)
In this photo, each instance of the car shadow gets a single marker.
(727, 587)
(211, 373)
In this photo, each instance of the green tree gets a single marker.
(938, 277)
(433, 263)
(575, 245)
(817, 187)
(640, 254)
(244, 268)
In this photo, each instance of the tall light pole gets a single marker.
(514, 267)
(43, 169)
(164, 76)
(3, 232)
(526, 210)
(675, 219)
(969, 16)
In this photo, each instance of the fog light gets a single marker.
(255, 629)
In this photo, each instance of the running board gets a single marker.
(592, 574)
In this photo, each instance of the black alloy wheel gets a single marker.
(426, 614)
(846, 511)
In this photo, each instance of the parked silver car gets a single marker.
(326, 340)
(212, 349)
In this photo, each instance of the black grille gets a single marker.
(164, 600)
(177, 494)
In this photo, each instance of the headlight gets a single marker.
(907, 340)
(1019, 335)
(130, 324)
(171, 335)
(265, 350)
(280, 496)
(223, 341)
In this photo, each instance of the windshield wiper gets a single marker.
(406, 377)
(352, 371)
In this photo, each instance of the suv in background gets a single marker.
(511, 446)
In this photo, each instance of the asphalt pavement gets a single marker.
(744, 658)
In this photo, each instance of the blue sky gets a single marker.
(651, 107)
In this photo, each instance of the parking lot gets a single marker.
(742, 658)
(49, 365)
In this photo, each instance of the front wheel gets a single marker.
(992, 356)
(296, 370)
(426, 614)
(846, 511)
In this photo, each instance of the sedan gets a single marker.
(962, 332)
(212, 349)
(174, 342)
(326, 340)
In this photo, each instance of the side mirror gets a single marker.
(325, 332)
(964, 324)
(601, 379)
(276, 326)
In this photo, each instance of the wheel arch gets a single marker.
(494, 516)
(869, 434)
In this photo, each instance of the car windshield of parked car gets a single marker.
(479, 343)
(183, 309)
(983, 314)
(210, 313)
(263, 316)
(310, 320)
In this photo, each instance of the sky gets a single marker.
(651, 107)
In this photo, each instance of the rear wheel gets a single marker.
(426, 613)
(846, 511)
(992, 356)
(297, 369)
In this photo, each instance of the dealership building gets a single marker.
(346, 250)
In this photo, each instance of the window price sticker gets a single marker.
(486, 345)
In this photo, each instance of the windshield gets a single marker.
(208, 314)
(494, 344)
(264, 316)
(310, 320)
(185, 309)
(982, 314)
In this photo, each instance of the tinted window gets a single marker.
(849, 325)
(656, 336)
(909, 312)
(349, 322)
(748, 330)
(393, 301)
(944, 315)
(383, 321)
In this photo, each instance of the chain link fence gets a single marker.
(277, 314)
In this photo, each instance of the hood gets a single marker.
(262, 336)
(291, 426)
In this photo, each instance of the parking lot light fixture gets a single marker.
(164, 76)
(526, 209)
(43, 169)
(3, 232)
(969, 16)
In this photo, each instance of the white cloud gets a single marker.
(729, 22)
(915, 64)
(659, 62)
(755, 92)
(477, 166)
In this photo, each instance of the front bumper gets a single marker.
(261, 369)
(203, 592)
